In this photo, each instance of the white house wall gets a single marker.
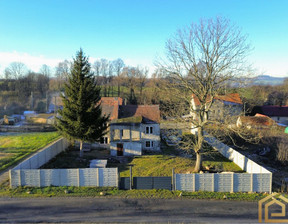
(155, 136)
(129, 148)
(134, 138)
(281, 120)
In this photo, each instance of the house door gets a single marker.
(119, 149)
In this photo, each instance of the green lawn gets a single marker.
(151, 164)
(15, 147)
(161, 165)
(106, 192)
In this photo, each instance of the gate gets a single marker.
(146, 183)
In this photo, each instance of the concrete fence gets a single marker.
(242, 161)
(28, 174)
(42, 157)
(257, 178)
(98, 177)
(224, 182)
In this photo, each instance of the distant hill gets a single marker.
(267, 80)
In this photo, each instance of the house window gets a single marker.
(104, 140)
(121, 133)
(149, 130)
(149, 144)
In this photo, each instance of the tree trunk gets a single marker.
(141, 92)
(81, 149)
(118, 90)
(198, 147)
(198, 165)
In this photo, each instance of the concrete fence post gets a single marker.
(20, 179)
(117, 179)
(232, 183)
(131, 178)
(173, 180)
(213, 183)
(194, 181)
(97, 177)
(10, 178)
(251, 180)
(39, 174)
(78, 175)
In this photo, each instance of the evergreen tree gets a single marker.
(81, 119)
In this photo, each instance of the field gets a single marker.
(15, 147)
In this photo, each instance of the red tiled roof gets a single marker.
(256, 120)
(260, 115)
(110, 106)
(232, 98)
(150, 112)
(112, 101)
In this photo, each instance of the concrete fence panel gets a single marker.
(243, 182)
(243, 162)
(40, 158)
(99, 177)
(224, 182)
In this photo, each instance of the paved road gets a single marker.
(95, 210)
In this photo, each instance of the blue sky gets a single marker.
(48, 31)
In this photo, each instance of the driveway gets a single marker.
(95, 210)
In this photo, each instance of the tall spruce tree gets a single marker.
(81, 119)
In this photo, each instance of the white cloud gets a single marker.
(34, 62)
(31, 61)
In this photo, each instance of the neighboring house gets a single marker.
(42, 119)
(28, 114)
(278, 113)
(136, 129)
(258, 121)
(222, 107)
(7, 120)
(55, 103)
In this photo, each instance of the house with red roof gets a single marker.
(132, 129)
(109, 107)
(278, 113)
(258, 121)
(223, 106)
(136, 129)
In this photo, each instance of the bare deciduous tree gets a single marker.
(62, 73)
(201, 59)
(118, 65)
(142, 76)
(45, 70)
(130, 74)
(15, 70)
